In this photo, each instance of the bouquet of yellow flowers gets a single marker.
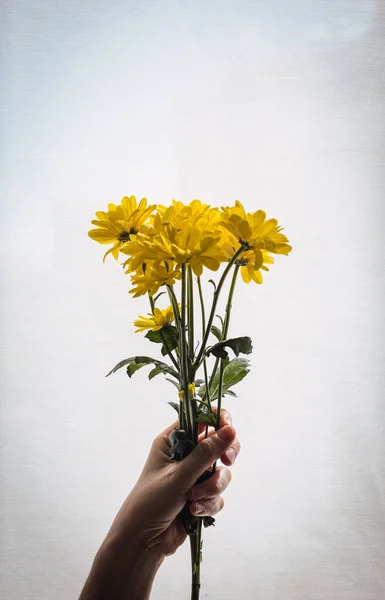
(165, 251)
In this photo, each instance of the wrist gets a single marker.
(122, 571)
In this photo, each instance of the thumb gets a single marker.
(204, 455)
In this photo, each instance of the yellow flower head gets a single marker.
(119, 223)
(155, 274)
(182, 234)
(155, 320)
(250, 267)
(253, 230)
(259, 236)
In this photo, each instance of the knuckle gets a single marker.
(207, 448)
(217, 487)
(226, 415)
(228, 476)
(216, 505)
(155, 442)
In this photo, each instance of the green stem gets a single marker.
(225, 328)
(190, 322)
(219, 406)
(229, 302)
(190, 314)
(224, 333)
(184, 358)
(215, 302)
(220, 387)
(207, 386)
(164, 341)
(195, 546)
(174, 303)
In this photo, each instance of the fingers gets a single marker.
(204, 455)
(206, 497)
(207, 507)
(228, 457)
(212, 487)
(161, 444)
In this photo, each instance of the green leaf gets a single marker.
(174, 405)
(231, 393)
(235, 370)
(199, 382)
(173, 383)
(239, 345)
(208, 418)
(180, 443)
(137, 362)
(221, 320)
(170, 335)
(207, 522)
(121, 364)
(217, 332)
(133, 367)
(154, 372)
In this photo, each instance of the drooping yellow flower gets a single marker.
(155, 320)
(186, 234)
(254, 231)
(250, 270)
(155, 274)
(259, 236)
(119, 223)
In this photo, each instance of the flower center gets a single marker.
(242, 262)
(124, 236)
(244, 243)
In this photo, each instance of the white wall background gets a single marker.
(281, 105)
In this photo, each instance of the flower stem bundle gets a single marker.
(166, 251)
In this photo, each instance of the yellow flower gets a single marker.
(180, 233)
(155, 320)
(254, 231)
(119, 223)
(259, 236)
(153, 276)
(249, 267)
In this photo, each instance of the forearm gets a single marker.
(122, 574)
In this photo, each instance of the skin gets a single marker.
(148, 526)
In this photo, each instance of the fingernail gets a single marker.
(229, 420)
(199, 508)
(225, 433)
(231, 454)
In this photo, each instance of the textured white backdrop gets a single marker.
(280, 104)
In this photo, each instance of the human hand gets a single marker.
(151, 512)
(149, 524)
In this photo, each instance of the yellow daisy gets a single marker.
(250, 268)
(153, 276)
(254, 231)
(155, 320)
(180, 233)
(119, 223)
